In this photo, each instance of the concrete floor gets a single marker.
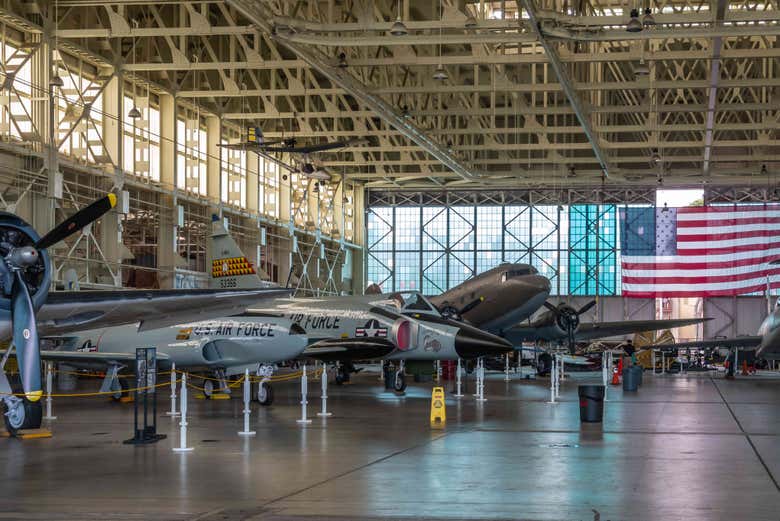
(687, 447)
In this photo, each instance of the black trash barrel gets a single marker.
(630, 379)
(639, 372)
(591, 403)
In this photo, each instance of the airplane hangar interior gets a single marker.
(287, 260)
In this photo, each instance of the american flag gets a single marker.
(705, 251)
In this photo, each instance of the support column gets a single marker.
(214, 159)
(166, 235)
(359, 233)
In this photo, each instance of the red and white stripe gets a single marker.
(721, 251)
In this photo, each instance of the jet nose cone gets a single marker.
(471, 342)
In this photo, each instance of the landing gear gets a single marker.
(121, 391)
(265, 394)
(21, 414)
(342, 374)
(208, 388)
(399, 382)
(544, 364)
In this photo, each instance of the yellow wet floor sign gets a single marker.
(438, 411)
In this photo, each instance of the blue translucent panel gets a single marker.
(462, 228)
(379, 267)
(544, 227)
(434, 232)
(517, 257)
(434, 275)
(407, 271)
(407, 228)
(489, 228)
(517, 225)
(487, 260)
(461, 267)
(593, 245)
(380, 228)
(546, 261)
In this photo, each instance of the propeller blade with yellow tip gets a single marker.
(77, 221)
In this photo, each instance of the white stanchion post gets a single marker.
(324, 394)
(506, 367)
(481, 372)
(605, 372)
(49, 378)
(173, 412)
(558, 364)
(304, 402)
(458, 373)
(247, 409)
(553, 372)
(183, 422)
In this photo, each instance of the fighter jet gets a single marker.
(399, 326)
(27, 309)
(224, 347)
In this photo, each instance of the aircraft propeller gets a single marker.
(451, 312)
(568, 319)
(21, 260)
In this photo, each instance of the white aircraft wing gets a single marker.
(89, 356)
(68, 311)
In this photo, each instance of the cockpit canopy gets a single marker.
(411, 301)
(518, 270)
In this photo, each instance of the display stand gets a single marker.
(145, 382)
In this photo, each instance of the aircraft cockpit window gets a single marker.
(411, 302)
(518, 272)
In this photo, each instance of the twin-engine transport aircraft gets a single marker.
(499, 299)
(28, 310)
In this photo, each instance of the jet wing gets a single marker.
(519, 334)
(89, 356)
(341, 349)
(67, 311)
(740, 341)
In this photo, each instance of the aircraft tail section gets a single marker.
(230, 269)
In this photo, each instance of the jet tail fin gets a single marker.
(229, 266)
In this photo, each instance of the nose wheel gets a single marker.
(399, 382)
(265, 394)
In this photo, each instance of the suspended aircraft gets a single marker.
(257, 143)
(28, 309)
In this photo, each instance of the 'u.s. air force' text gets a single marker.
(234, 329)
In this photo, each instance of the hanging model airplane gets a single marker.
(28, 310)
(255, 142)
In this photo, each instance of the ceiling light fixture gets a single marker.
(398, 28)
(648, 19)
(634, 25)
(763, 170)
(440, 74)
(665, 208)
(342, 64)
(134, 113)
(572, 172)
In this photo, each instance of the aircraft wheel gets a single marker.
(399, 383)
(208, 388)
(265, 394)
(24, 414)
(544, 366)
(342, 375)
